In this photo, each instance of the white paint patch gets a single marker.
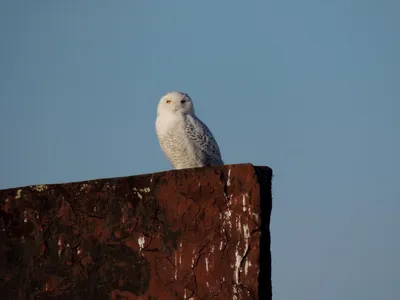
(206, 260)
(234, 290)
(247, 264)
(228, 182)
(256, 217)
(227, 219)
(180, 256)
(25, 217)
(39, 187)
(176, 265)
(246, 236)
(19, 194)
(238, 224)
(193, 257)
(238, 258)
(242, 229)
(246, 232)
(141, 241)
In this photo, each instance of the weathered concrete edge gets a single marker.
(39, 187)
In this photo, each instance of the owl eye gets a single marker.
(168, 101)
(183, 101)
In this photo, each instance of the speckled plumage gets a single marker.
(185, 140)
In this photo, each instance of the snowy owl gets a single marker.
(185, 140)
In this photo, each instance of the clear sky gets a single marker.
(310, 88)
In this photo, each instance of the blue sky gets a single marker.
(309, 88)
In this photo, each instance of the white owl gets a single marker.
(185, 140)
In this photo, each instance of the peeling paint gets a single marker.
(247, 264)
(240, 252)
(83, 187)
(180, 256)
(234, 290)
(193, 257)
(145, 190)
(19, 194)
(238, 258)
(176, 265)
(256, 217)
(228, 182)
(141, 241)
(246, 236)
(39, 187)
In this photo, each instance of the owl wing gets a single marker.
(203, 139)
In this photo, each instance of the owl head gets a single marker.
(175, 103)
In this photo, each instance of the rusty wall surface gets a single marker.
(188, 234)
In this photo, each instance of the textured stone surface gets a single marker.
(189, 234)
